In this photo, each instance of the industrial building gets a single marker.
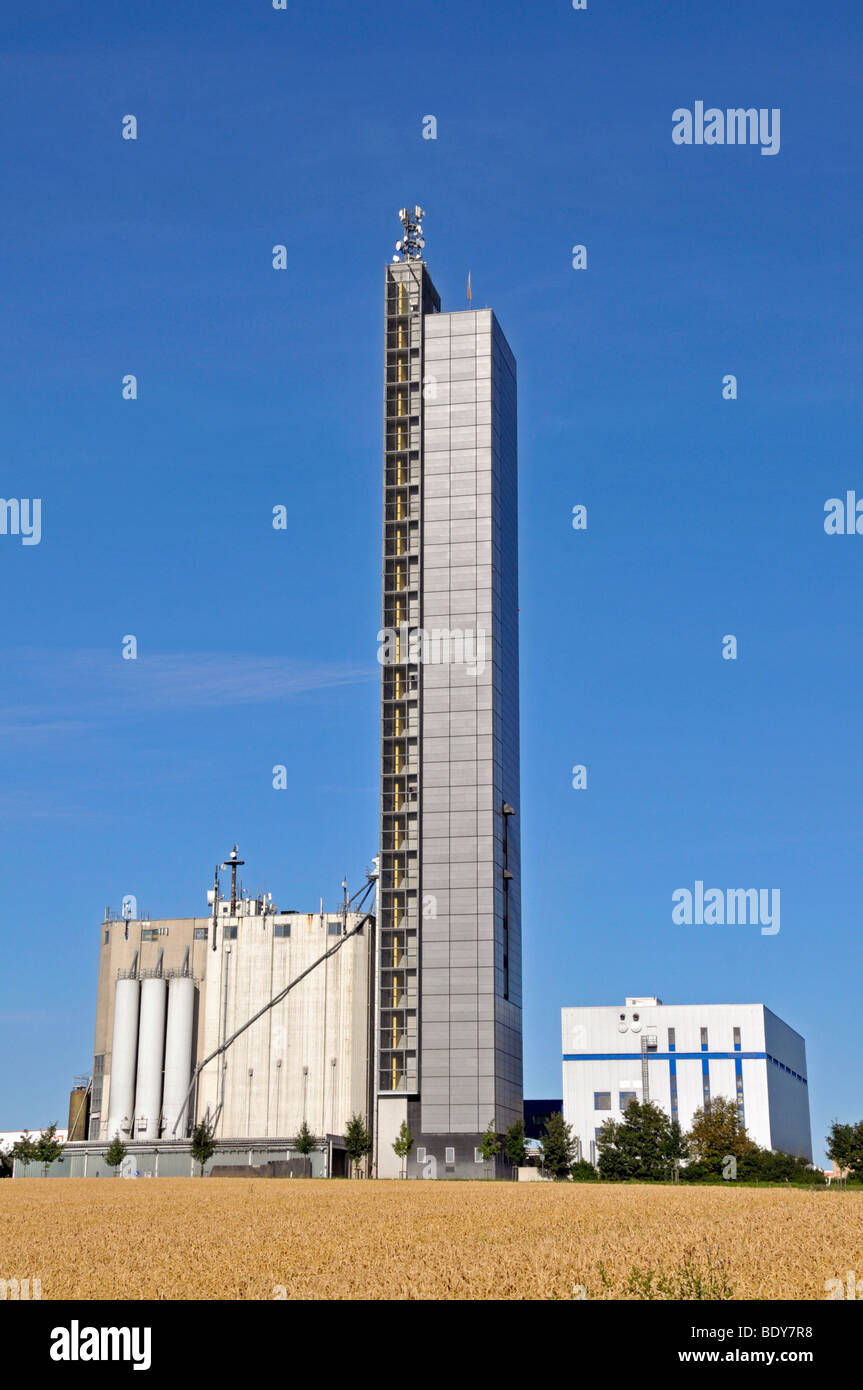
(255, 1019)
(416, 1019)
(172, 992)
(449, 1036)
(680, 1056)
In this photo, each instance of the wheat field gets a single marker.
(237, 1238)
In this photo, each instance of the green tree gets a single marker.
(612, 1161)
(582, 1171)
(757, 1165)
(403, 1145)
(24, 1149)
(558, 1145)
(765, 1165)
(5, 1164)
(305, 1141)
(845, 1147)
(643, 1145)
(115, 1153)
(48, 1148)
(717, 1131)
(203, 1143)
(358, 1141)
(489, 1145)
(513, 1144)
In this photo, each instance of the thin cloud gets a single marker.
(74, 691)
(210, 680)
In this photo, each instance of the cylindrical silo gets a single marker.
(79, 1113)
(151, 1054)
(178, 1052)
(124, 1052)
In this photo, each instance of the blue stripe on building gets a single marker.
(682, 1057)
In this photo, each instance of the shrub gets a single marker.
(701, 1275)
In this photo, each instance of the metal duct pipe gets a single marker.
(179, 1045)
(151, 1053)
(124, 1053)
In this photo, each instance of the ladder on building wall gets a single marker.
(648, 1045)
(645, 1085)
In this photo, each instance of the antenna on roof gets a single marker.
(233, 863)
(412, 244)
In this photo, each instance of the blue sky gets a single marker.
(259, 388)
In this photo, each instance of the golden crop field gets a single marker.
(237, 1238)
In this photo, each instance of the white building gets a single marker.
(8, 1137)
(679, 1056)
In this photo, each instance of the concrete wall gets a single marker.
(391, 1111)
(308, 1057)
(119, 943)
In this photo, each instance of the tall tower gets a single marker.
(448, 1047)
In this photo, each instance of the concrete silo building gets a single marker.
(174, 991)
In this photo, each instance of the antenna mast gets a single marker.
(233, 863)
(412, 243)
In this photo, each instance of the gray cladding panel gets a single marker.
(469, 764)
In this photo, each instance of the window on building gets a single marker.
(98, 1082)
(602, 1100)
(737, 1037)
(627, 1098)
(477, 1156)
(282, 929)
(201, 933)
(704, 1037)
(671, 1042)
(449, 1157)
(230, 933)
(421, 1155)
(596, 1134)
(334, 929)
(107, 934)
